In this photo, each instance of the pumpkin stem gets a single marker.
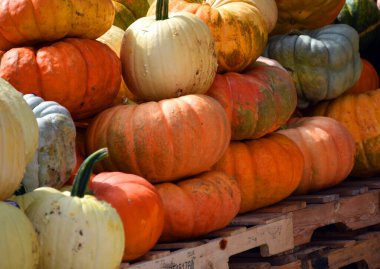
(162, 10)
(83, 176)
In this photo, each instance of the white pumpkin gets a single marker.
(168, 58)
(55, 158)
(18, 138)
(19, 248)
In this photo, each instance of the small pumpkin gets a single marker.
(26, 22)
(239, 28)
(198, 205)
(168, 56)
(324, 63)
(368, 81)
(127, 11)
(55, 157)
(359, 113)
(76, 230)
(139, 206)
(257, 101)
(267, 169)
(82, 75)
(18, 138)
(316, 137)
(19, 246)
(161, 141)
(295, 15)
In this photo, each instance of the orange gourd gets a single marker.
(368, 81)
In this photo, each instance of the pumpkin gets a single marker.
(239, 29)
(161, 141)
(368, 81)
(25, 22)
(198, 205)
(138, 204)
(168, 56)
(113, 38)
(18, 241)
(269, 11)
(76, 230)
(294, 15)
(257, 101)
(55, 157)
(18, 138)
(82, 75)
(359, 113)
(267, 169)
(324, 63)
(316, 137)
(364, 17)
(127, 11)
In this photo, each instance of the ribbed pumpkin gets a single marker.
(55, 158)
(294, 15)
(198, 205)
(168, 56)
(26, 22)
(257, 101)
(82, 75)
(267, 169)
(18, 241)
(368, 81)
(76, 230)
(269, 11)
(18, 138)
(113, 38)
(328, 150)
(161, 141)
(324, 63)
(359, 113)
(139, 206)
(238, 28)
(127, 11)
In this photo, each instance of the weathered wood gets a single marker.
(254, 265)
(254, 218)
(371, 184)
(283, 207)
(346, 190)
(315, 198)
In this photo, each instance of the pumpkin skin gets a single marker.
(169, 58)
(198, 205)
(70, 72)
(316, 137)
(368, 81)
(25, 22)
(359, 113)
(161, 141)
(139, 206)
(257, 101)
(18, 138)
(18, 241)
(294, 15)
(324, 63)
(127, 11)
(113, 38)
(238, 28)
(267, 169)
(55, 158)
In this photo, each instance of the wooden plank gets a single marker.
(228, 231)
(371, 184)
(315, 198)
(283, 207)
(154, 255)
(179, 245)
(291, 265)
(333, 243)
(346, 191)
(253, 265)
(250, 219)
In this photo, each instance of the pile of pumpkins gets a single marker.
(127, 123)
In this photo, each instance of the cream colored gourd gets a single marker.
(168, 56)
(18, 138)
(269, 11)
(19, 247)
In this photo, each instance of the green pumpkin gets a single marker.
(324, 63)
(364, 16)
(127, 11)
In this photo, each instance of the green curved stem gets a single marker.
(84, 172)
(162, 10)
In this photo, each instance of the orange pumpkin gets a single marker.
(238, 27)
(368, 81)
(139, 206)
(161, 141)
(317, 137)
(199, 205)
(294, 15)
(267, 169)
(82, 75)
